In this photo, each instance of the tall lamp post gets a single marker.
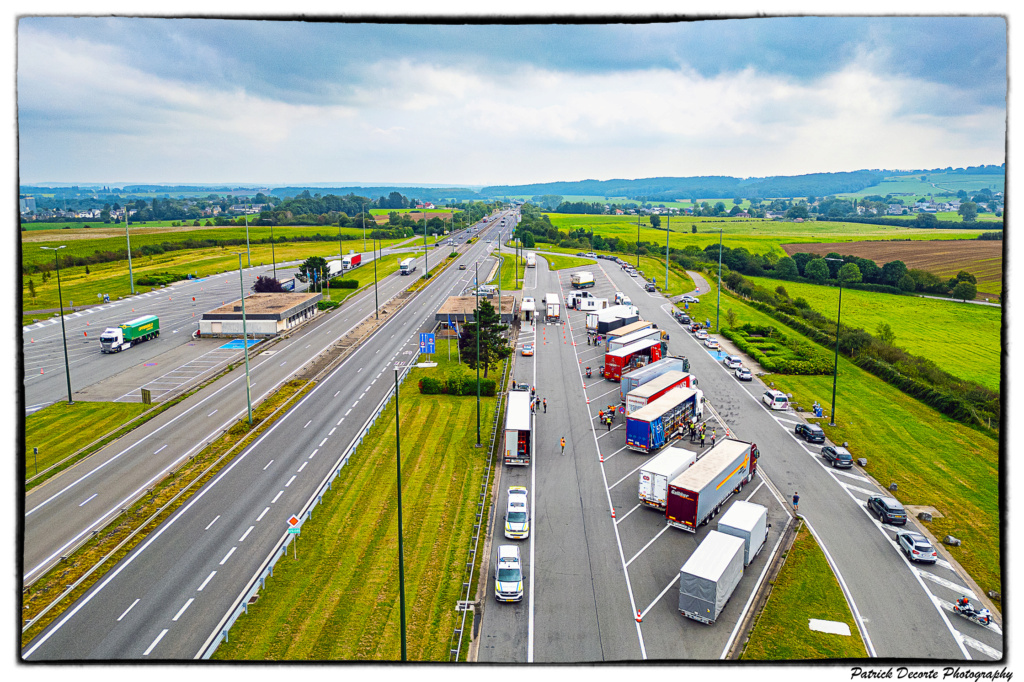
(63, 332)
(376, 301)
(248, 254)
(835, 368)
(668, 229)
(638, 240)
(245, 340)
(718, 309)
(401, 553)
(128, 241)
(273, 256)
(426, 258)
(476, 318)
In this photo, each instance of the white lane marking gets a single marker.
(359, 370)
(155, 642)
(303, 466)
(752, 492)
(158, 451)
(322, 443)
(851, 475)
(127, 610)
(268, 464)
(788, 421)
(621, 518)
(290, 480)
(615, 453)
(228, 555)
(313, 454)
(212, 522)
(660, 594)
(279, 494)
(361, 396)
(355, 403)
(90, 497)
(616, 428)
(282, 364)
(649, 543)
(951, 586)
(339, 421)
(212, 413)
(308, 423)
(208, 579)
(262, 514)
(983, 648)
(182, 610)
(246, 534)
(331, 432)
(642, 464)
(614, 390)
(869, 493)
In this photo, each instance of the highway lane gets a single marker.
(896, 604)
(208, 544)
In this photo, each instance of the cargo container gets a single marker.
(604, 321)
(653, 426)
(709, 577)
(518, 424)
(749, 522)
(656, 388)
(638, 377)
(353, 260)
(698, 493)
(624, 330)
(659, 471)
(117, 339)
(623, 360)
(588, 304)
(581, 280)
(551, 306)
(639, 335)
(406, 267)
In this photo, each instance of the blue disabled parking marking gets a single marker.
(236, 344)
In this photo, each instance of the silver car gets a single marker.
(732, 361)
(743, 374)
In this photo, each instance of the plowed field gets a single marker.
(983, 259)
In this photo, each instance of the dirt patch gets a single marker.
(945, 257)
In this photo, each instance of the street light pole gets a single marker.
(376, 301)
(835, 367)
(128, 240)
(63, 332)
(245, 341)
(638, 239)
(364, 230)
(273, 256)
(401, 553)
(426, 257)
(476, 318)
(248, 254)
(718, 309)
(668, 230)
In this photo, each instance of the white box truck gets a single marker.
(659, 471)
(749, 522)
(709, 577)
(518, 424)
(531, 259)
(581, 280)
(551, 305)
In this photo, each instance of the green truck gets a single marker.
(117, 339)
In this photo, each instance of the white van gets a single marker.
(508, 574)
(776, 400)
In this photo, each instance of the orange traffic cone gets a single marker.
(613, 512)
(602, 461)
(85, 333)
(639, 619)
(40, 370)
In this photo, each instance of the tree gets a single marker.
(786, 267)
(493, 346)
(798, 211)
(266, 284)
(655, 221)
(528, 240)
(817, 270)
(314, 268)
(965, 291)
(907, 283)
(968, 211)
(964, 276)
(32, 289)
(693, 230)
(849, 273)
(737, 201)
(927, 220)
(885, 333)
(893, 271)
(730, 317)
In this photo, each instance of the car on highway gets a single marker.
(650, 286)
(837, 456)
(508, 574)
(517, 514)
(527, 349)
(711, 342)
(744, 374)
(634, 273)
(591, 254)
(887, 510)
(462, 266)
(732, 361)
(687, 298)
(701, 334)
(916, 547)
(812, 433)
(776, 400)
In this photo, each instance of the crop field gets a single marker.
(339, 601)
(934, 183)
(949, 216)
(981, 258)
(924, 326)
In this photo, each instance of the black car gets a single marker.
(650, 287)
(888, 510)
(837, 456)
(812, 433)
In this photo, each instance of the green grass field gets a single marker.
(805, 588)
(949, 216)
(938, 330)
(339, 601)
(508, 272)
(563, 262)
(61, 429)
(943, 183)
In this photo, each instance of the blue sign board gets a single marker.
(426, 343)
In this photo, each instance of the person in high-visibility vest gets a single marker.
(563, 445)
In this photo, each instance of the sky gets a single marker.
(173, 100)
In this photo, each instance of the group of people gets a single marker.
(606, 417)
(535, 402)
(594, 339)
(701, 432)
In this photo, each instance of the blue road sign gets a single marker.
(426, 342)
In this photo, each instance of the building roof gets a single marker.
(264, 307)
(460, 308)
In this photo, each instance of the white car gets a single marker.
(687, 298)
(743, 374)
(711, 343)
(508, 574)
(517, 514)
(732, 361)
(916, 547)
(777, 400)
(701, 334)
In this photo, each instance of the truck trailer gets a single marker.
(641, 376)
(122, 337)
(353, 260)
(552, 307)
(698, 493)
(589, 304)
(625, 330)
(518, 424)
(531, 259)
(659, 471)
(639, 335)
(581, 280)
(619, 362)
(709, 577)
(655, 425)
(749, 522)
(604, 321)
(656, 388)
(406, 267)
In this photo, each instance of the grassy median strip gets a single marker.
(339, 601)
(190, 478)
(563, 262)
(805, 588)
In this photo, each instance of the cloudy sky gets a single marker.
(117, 100)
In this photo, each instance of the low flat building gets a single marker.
(460, 308)
(265, 315)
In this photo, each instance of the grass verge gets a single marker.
(805, 588)
(508, 272)
(147, 514)
(339, 601)
(563, 262)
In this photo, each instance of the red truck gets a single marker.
(618, 362)
(353, 260)
(699, 493)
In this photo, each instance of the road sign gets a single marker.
(294, 531)
(426, 342)
(293, 521)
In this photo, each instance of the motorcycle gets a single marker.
(980, 616)
(588, 372)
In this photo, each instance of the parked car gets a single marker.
(711, 343)
(776, 400)
(508, 574)
(687, 298)
(837, 456)
(812, 433)
(888, 510)
(701, 334)
(520, 386)
(650, 287)
(517, 514)
(591, 254)
(684, 319)
(732, 361)
(695, 327)
(744, 374)
(916, 547)
(581, 255)
(527, 349)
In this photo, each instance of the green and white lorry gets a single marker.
(117, 339)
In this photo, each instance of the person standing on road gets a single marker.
(713, 433)
(796, 503)
(609, 423)
(563, 445)
(702, 439)
(545, 405)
